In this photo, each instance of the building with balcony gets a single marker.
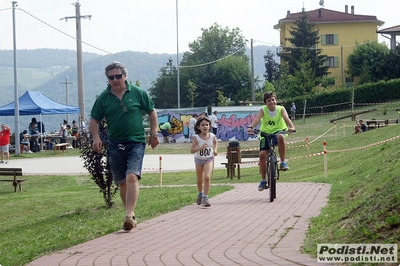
(339, 33)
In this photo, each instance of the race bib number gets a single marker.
(205, 152)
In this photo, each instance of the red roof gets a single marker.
(323, 15)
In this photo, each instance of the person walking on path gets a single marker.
(293, 112)
(204, 147)
(214, 122)
(121, 104)
(274, 118)
(5, 143)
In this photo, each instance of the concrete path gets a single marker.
(74, 165)
(241, 228)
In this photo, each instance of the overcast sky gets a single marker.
(150, 25)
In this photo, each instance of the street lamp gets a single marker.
(177, 57)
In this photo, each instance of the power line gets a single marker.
(118, 56)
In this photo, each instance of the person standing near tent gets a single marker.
(122, 103)
(33, 129)
(5, 143)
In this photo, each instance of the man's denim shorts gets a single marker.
(125, 158)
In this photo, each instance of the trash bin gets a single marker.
(233, 156)
(232, 153)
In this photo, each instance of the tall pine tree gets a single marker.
(304, 38)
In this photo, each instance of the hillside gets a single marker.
(45, 70)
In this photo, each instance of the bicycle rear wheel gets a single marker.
(271, 178)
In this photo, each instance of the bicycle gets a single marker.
(272, 162)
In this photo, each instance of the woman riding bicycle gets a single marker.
(274, 118)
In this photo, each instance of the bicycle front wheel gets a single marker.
(272, 178)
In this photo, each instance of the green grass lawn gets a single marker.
(56, 212)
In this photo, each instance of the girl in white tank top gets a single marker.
(204, 147)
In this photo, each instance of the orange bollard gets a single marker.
(325, 160)
(160, 171)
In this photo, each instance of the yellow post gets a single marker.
(325, 160)
(344, 129)
(335, 131)
(160, 168)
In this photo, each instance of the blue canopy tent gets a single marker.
(36, 103)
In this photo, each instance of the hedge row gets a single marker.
(378, 92)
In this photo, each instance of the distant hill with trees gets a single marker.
(46, 69)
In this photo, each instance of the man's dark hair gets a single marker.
(116, 65)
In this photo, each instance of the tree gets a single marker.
(304, 38)
(216, 61)
(164, 89)
(304, 80)
(392, 64)
(368, 62)
(222, 100)
(98, 165)
(192, 94)
(233, 75)
(271, 67)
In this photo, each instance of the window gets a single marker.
(329, 39)
(332, 61)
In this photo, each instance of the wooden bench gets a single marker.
(391, 121)
(13, 172)
(249, 154)
(234, 157)
(372, 124)
(57, 147)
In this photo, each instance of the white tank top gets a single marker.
(207, 152)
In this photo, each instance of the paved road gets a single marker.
(74, 165)
(241, 228)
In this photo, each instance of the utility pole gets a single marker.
(253, 93)
(16, 98)
(177, 57)
(81, 90)
(66, 92)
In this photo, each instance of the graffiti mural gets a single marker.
(234, 126)
(232, 122)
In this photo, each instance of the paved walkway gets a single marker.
(241, 228)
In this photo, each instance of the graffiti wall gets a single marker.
(232, 121)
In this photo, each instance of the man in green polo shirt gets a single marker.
(121, 104)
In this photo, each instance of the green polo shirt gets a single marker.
(124, 117)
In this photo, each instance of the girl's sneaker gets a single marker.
(199, 199)
(204, 202)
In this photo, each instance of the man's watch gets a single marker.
(153, 135)
(250, 127)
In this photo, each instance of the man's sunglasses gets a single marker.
(119, 76)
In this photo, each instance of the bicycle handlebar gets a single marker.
(266, 135)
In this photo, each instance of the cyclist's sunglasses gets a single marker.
(119, 76)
